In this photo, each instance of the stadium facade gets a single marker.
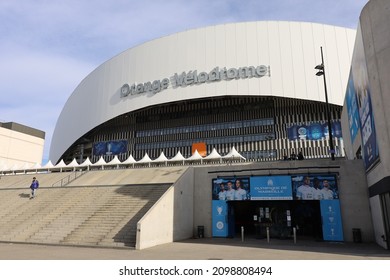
(248, 85)
(251, 86)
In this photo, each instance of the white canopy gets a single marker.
(195, 156)
(100, 162)
(25, 166)
(37, 166)
(48, 165)
(213, 155)
(177, 157)
(161, 158)
(86, 162)
(114, 161)
(73, 163)
(14, 167)
(233, 154)
(61, 164)
(145, 159)
(129, 160)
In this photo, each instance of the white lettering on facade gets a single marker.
(193, 78)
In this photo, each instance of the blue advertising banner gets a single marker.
(231, 188)
(109, 148)
(332, 227)
(363, 93)
(271, 188)
(314, 187)
(219, 218)
(313, 131)
(352, 109)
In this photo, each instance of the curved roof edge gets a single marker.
(265, 43)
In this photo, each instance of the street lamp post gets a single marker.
(321, 72)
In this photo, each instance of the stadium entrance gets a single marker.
(278, 216)
(308, 203)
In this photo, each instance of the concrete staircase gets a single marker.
(104, 215)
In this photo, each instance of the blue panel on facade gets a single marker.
(332, 227)
(219, 218)
(313, 131)
(271, 188)
(109, 148)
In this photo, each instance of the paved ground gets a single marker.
(204, 249)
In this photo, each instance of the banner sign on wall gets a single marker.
(352, 109)
(363, 96)
(332, 226)
(313, 131)
(271, 188)
(109, 148)
(219, 218)
(284, 187)
(264, 189)
(231, 189)
(314, 187)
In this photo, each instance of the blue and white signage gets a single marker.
(370, 149)
(313, 131)
(110, 148)
(271, 188)
(219, 218)
(352, 109)
(332, 227)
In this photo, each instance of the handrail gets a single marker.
(66, 180)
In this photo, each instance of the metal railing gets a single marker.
(71, 177)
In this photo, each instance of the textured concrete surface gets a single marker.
(204, 249)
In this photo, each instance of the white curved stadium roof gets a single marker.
(283, 56)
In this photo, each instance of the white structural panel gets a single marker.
(291, 50)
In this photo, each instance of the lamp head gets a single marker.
(319, 67)
(320, 73)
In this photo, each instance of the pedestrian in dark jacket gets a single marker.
(34, 186)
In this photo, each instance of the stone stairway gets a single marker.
(84, 215)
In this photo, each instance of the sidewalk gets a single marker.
(204, 249)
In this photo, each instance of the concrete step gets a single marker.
(98, 216)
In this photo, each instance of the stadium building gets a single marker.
(145, 126)
(249, 88)
(248, 85)
(140, 132)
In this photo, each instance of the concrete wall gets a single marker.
(374, 36)
(156, 227)
(171, 218)
(377, 220)
(355, 208)
(374, 25)
(18, 149)
(353, 194)
(375, 22)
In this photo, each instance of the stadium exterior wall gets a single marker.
(285, 52)
(370, 139)
(355, 208)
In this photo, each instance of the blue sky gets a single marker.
(48, 46)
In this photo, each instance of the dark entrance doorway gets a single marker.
(279, 216)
